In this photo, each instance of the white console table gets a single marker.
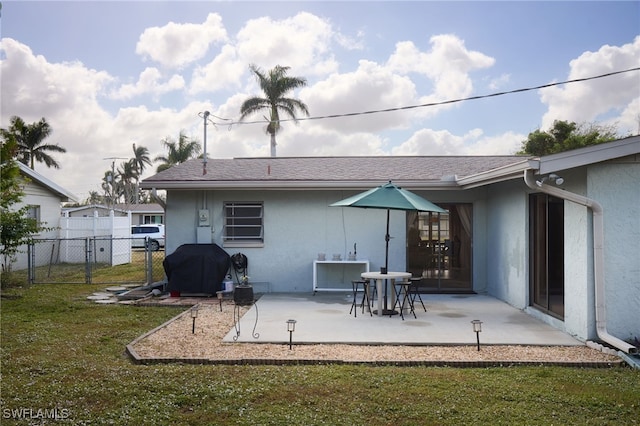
(339, 274)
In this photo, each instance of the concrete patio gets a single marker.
(325, 318)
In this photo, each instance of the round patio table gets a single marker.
(382, 295)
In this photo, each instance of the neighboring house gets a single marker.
(44, 199)
(145, 213)
(567, 253)
(140, 213)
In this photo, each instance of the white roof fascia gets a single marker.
(589, 155)
(501, 174)
(53, 187)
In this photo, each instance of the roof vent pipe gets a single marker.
(598, 256)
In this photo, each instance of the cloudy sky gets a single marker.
(106, 75)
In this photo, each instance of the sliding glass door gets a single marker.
(439, 248)
(547, 253)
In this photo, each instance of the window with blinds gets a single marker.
(243, 222)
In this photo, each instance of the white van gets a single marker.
(154, 232)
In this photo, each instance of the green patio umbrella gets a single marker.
(389, 197)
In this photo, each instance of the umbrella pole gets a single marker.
(386, 262)
(387, 238)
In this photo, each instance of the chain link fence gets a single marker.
(95, 260)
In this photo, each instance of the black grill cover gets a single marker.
(197, 268)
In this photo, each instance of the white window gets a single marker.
(33, 212)
(148, 219)
(243, 224)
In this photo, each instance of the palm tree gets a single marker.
(127, 173)
(178, 152)
(94, 198)
(275, 85)
(140, 158)
(111, 187)
(30, 139)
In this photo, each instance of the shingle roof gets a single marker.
(50, 185)
(323, 171)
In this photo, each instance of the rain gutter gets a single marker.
(598, 256)
(500, 174)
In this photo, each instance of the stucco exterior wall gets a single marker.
(297, 226)
(578, 260)
(300, 224)
(507, 243)
(616, 187)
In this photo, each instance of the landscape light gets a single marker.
(291, 327)
(194, 315)
(477, 328)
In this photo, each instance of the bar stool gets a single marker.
(415, 291)
(372, 290)
(356, 284)
(402, 289)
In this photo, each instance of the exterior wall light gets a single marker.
(558, 180)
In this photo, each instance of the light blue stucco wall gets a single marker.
(612, 184)
(507, 259)
(297, 226)
(579, 305)
(300, 224)
(507, 243)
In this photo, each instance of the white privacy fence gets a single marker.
(73, 231)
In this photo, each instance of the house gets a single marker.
(44, 199)
(555, 236)
(140, 213)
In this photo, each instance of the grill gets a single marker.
(197, 268)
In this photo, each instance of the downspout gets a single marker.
(598, 256)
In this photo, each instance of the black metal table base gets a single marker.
(236, 321)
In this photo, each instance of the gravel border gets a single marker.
(173, 342)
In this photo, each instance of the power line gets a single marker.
(430, 104)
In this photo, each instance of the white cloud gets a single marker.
(178, 45)
(368, 88)
(447, 65)
(71, 96)
(503, 144)
(301, 42)
(474, 142)
(448, 54)
(601, 98)
(150, 81)
(351, 43)
(33, 87)
(499, 82)
(224, 72)
(431, 142)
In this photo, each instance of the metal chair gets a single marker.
(372, 290)
(356, 284)
(414, 291)
(402, 289)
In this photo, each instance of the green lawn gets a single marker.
(132, 273)
(61, 352)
